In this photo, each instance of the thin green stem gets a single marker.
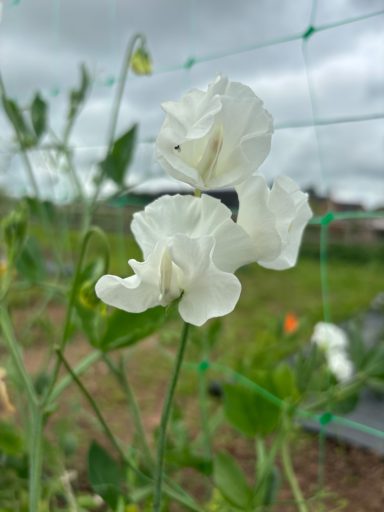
(35, 458)
(121, 376)
(164, 420)
(121, 86)
(78, 370)
(324, 272)
(35, 414)
(29, 169)
(93, 404)
(340, 392)
(74, 289)
(108, 432)
(17, 359)
(265, 462)
(203, 403)
(292, 480)
(116, 105)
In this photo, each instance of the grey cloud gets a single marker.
(39, 50)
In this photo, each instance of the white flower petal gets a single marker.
(208, 291)
(129, 294)
(275, 219)
(215, 138)
(194, 114)
(154, 284)
(257, 220)
(194, 217)
(328, 336)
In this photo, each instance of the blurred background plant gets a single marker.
(76, 370)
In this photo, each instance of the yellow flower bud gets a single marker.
(141, 63)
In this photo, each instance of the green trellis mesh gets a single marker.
(324, 221)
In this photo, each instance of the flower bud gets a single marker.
(87, 295)
(141, 63)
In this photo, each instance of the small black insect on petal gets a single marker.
(177, 148)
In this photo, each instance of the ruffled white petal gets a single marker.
(216, 138)
(154, 283)
(208, 291)
(291, 208)
(257, 220)
(129, 294)
(274, 219)
(194, 217)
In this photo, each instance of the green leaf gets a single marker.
(248, 411)
(39, 110)
(125, 329)
(231, 482)
(30, 261)
(116, 163)
(11, 442)
(105, 475)
(185, 458)
(273, 485)
(15, 116)
(78, 96)
(285, 383)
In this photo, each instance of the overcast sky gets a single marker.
(42, 43)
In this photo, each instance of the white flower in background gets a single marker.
(329, 337)
(340, 365)
(333, 341)
(191, 247)
(215, 138)
(274, 219)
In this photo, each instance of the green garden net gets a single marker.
(305, 37)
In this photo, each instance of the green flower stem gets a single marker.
(265, 462)
(93, 404)
(35, 414)
(292, 480)
(164, 420)
(339, 392)
(35, 458)
(121, 86)
(116, 107)
(72, 297)
(17, 359)
(170, 489)
(121, 376)
(78, 370)
(204, 415)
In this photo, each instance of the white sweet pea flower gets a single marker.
(191, 246)
(180, 267)
(333, 341)
(215, 138)
(196, 217)
(340, 365)
(329, 337)
(274, 219)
